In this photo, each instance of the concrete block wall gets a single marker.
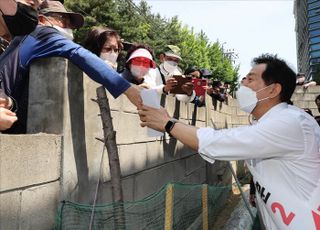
(305, 98)
(30, 180)
(147, 163)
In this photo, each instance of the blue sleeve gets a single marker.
(47, 42)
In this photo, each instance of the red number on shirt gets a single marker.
(316, 218)
(286, 219)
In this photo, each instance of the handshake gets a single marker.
(7, 117)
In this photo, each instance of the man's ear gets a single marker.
(161, 57)
(276, 90)
(42, 20)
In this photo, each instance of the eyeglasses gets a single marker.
(108, 49)
(168, 58)
(61, 17)
(55, 15)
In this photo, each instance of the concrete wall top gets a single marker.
(27, 160)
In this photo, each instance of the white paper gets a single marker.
(150, 98)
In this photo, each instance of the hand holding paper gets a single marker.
(150, 98)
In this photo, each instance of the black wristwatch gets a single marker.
(169, 126)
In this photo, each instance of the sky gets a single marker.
(250, 27)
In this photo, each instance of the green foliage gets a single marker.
(136, 23)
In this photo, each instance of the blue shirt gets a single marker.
(46, 42)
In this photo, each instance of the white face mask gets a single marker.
(247, 98)
(138, 71)
(170, 66)
(110, 58)
(66, 32)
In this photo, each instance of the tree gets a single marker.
(136, 24)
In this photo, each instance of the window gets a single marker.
(314, 33)
(314, 61)
(315, 54)
(314, 18)
(314, 26)
(313, 5)
(314, 40)
(315, 47)
(312, 1)
(313, 12)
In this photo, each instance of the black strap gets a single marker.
(162, 76)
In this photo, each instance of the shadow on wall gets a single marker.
(77, 124)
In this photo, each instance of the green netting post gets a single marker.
(205, 207)
(169, 208)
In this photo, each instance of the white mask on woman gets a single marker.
(170, 66)
(247, 98)
(138, 71)
(110, 58)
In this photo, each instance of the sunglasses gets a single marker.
(141, 62)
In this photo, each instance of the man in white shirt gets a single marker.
(282, 148)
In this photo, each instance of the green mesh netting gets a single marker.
(149, 213)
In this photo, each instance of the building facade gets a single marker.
(307, 16)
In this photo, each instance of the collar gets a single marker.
(275, 109)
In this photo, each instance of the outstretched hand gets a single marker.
(153, 118)
(7, 118)
(134, 96)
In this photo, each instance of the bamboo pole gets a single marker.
(169, 208)
(205, 213)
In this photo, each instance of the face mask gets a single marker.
(23, 22)
(170, 66)
(110, 58)
(138, 71)
(247, 98)
(66, 32)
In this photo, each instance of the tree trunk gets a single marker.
(114, 163)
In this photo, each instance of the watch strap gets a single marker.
(169, 126)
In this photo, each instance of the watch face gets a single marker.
(169, 126)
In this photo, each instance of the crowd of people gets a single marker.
(50, 34)
(281, 147)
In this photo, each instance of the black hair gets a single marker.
(317, 98)
(205, 73)
(191, 69)
(277, 71)
(315, 101)
(62, 1)
(307, 110)
(98, 36)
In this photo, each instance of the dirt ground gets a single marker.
(224, 216)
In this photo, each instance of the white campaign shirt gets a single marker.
(283, 154)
